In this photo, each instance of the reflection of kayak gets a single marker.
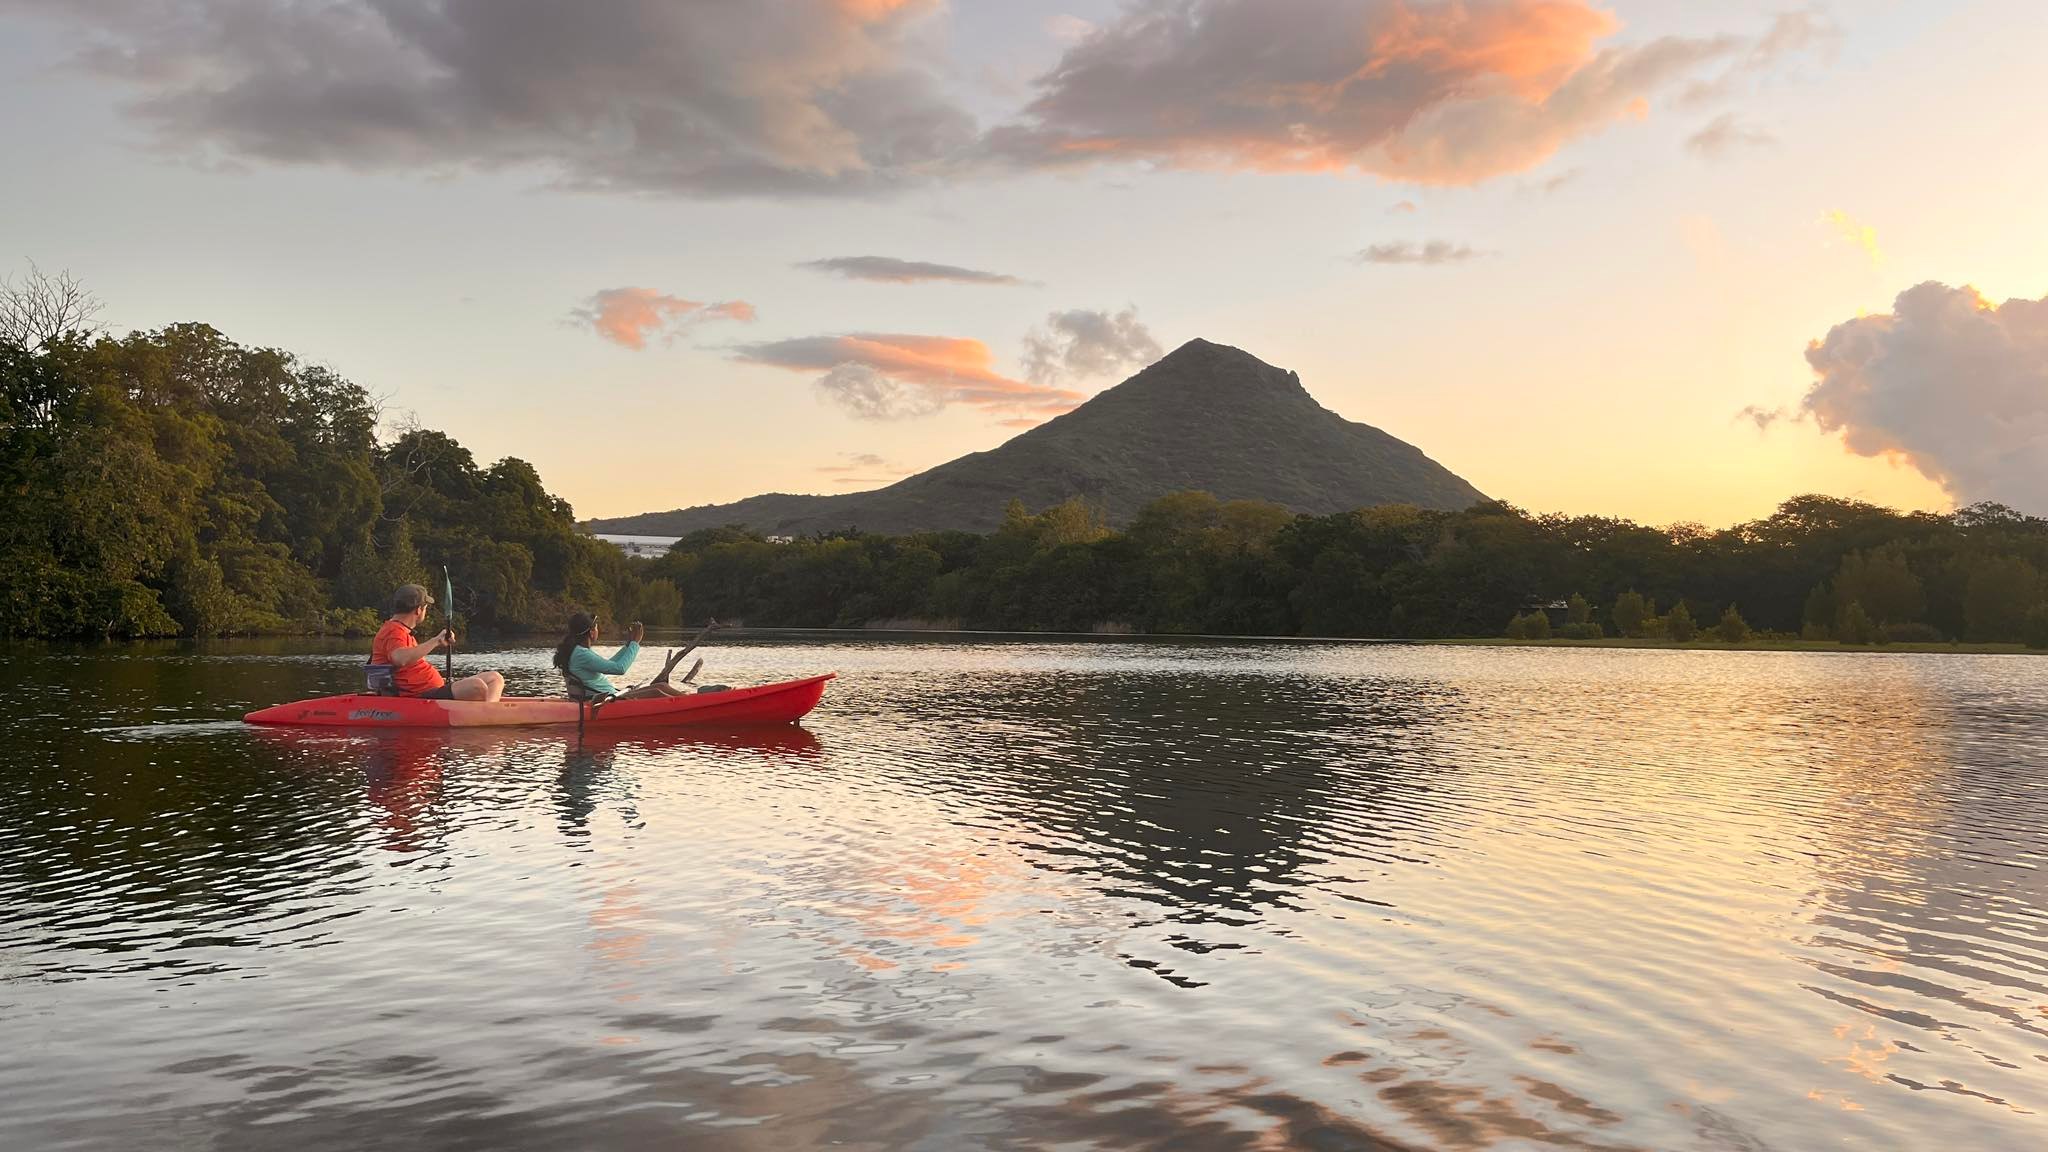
(738, 707)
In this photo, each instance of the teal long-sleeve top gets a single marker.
(593, 671)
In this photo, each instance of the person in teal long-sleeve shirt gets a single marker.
(578, 661)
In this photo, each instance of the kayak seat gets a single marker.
(380, 680)
(581, 693)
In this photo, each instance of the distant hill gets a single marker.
(1208, 418)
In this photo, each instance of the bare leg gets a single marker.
(482, 686)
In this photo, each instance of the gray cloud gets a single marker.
(1948, 383)
(1079, 344)
(1726, 135)
(1432, 94)
(1763, 417)
(697, 97)
(857, 462)
(863, 390)
(1802, 32)
(1430, 252)
(889, 270)
(861, 468)
(713, 98)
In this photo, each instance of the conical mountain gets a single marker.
(1207, 418)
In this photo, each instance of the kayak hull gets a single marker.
(767, 704)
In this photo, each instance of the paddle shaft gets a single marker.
(448, 622)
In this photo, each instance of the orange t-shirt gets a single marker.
(414, 679)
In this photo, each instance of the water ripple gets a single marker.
(1033, 895)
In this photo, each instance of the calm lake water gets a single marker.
(1041, 896)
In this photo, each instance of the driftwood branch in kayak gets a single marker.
(676, 658)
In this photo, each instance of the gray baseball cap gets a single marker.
(409, 597)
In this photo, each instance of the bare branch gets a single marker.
(44, 308)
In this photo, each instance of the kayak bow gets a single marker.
(784, 703)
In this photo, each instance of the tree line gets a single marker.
(175, 483)
(1817, 569)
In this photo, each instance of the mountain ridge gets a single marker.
(1205, 417)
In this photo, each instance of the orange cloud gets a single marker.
(882, 376)
(873, 11)
(628, 316)
(1451, 93)
(1531, 47)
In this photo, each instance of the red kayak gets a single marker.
(734, 708)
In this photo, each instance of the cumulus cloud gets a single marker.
(884, 376)
(628, 316)
(1725, 135)
(1949, 383)
(1429, 252)
(1425, 93)
(889, 270)
(1079, 344)
(698, 97)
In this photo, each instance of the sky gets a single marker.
(1649, 258)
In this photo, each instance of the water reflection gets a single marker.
(1034, 895)
(1213, 796)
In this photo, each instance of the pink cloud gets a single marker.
(887, 376)
(628, 316)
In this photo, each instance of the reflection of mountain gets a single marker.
(1212, 796)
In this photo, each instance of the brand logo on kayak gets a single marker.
(373, 714)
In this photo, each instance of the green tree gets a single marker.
(1679, 624)
(1578, 610)
(1817, 619)
(1882, 581)
(2035, 631)
(1631, 613)
(2002, 591)
(1854, 626)
(1732, 628)
(1536, 625)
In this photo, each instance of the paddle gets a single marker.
(448, 622)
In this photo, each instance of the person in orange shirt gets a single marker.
(407, 656)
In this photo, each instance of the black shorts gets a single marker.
(444, 692)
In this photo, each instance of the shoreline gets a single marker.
(1957, 648)
(658, 633)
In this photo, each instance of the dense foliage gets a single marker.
(177, 483)
(1824, 568)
